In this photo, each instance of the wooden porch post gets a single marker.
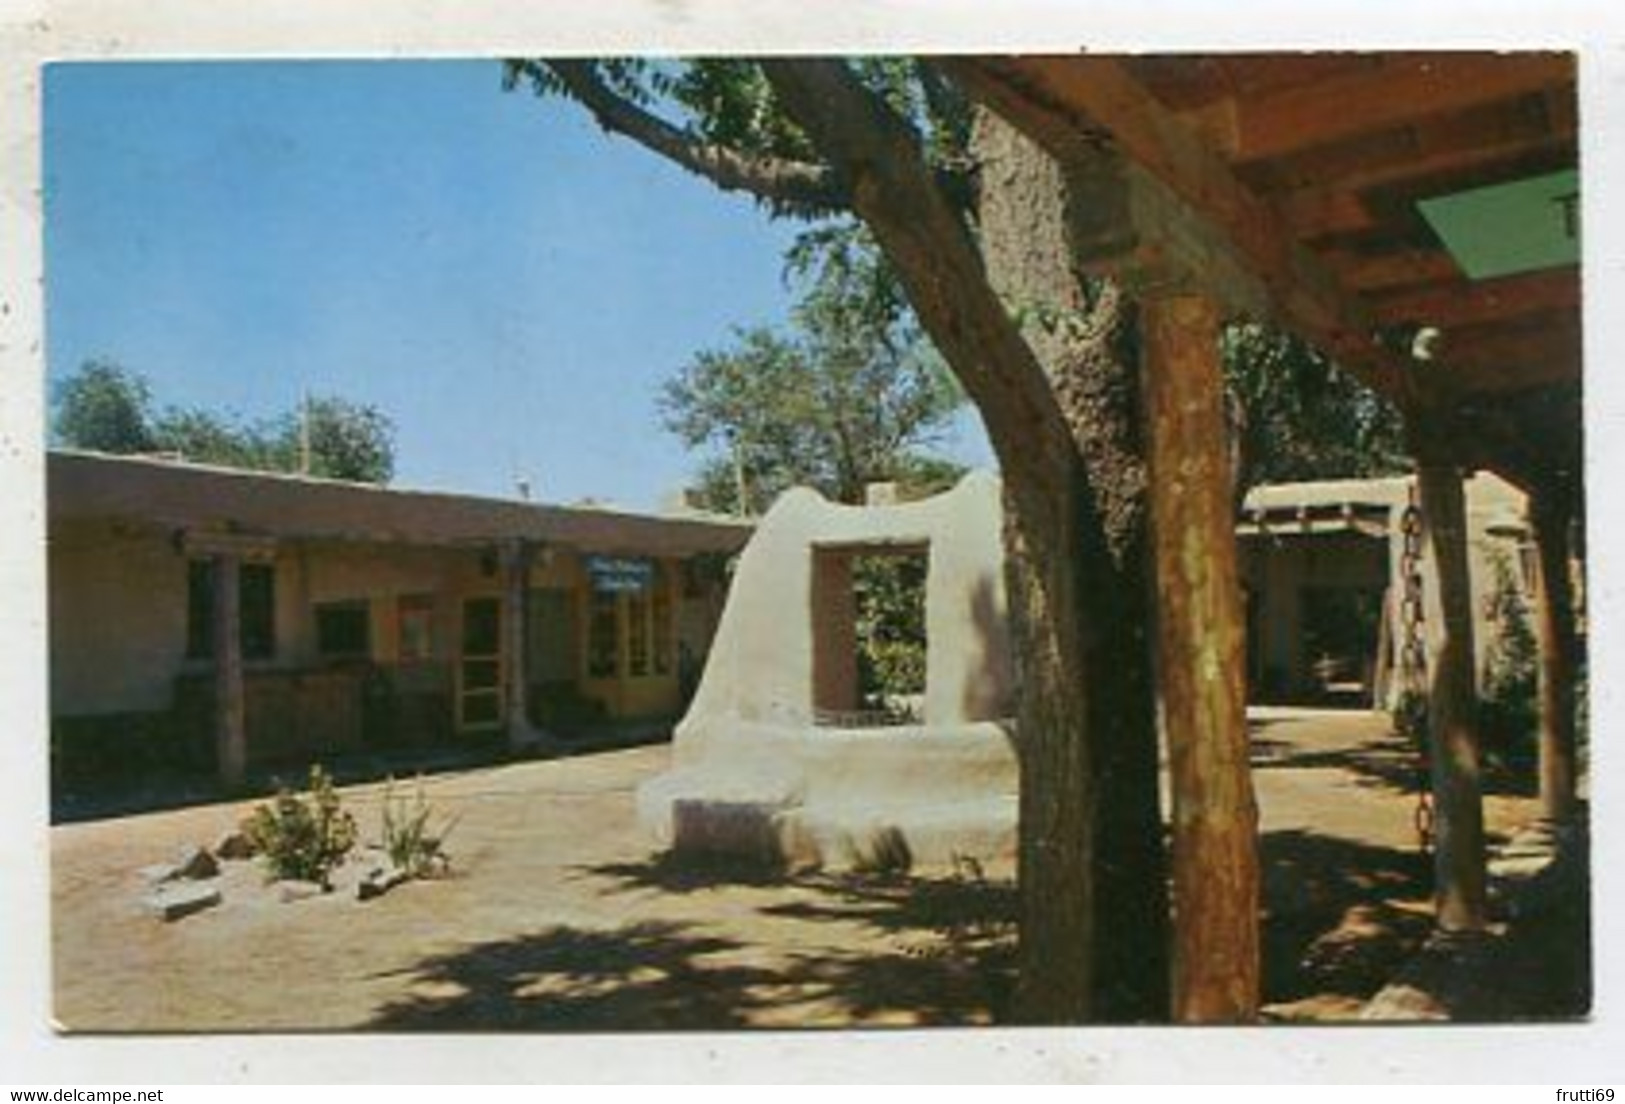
(231, 741)
(1201, 667)
(516, 560)
(1551, 516)
(1452, 692)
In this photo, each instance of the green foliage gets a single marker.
(890, 600)
(303, 837)
(348, 440)
(208, 438)
(885, 856)
(1509, 707)
(105, 408)
(109, 408)
(1299, 417)
(411, 839)
(728, 103)
(847, 397)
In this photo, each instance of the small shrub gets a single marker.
(886, 855)
(1509, 706)
(411, 841)
(302, 837)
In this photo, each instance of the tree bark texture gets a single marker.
(1088, 346)
(1201, 651)
(1452, 693)
(942, 270)
(1559, 652)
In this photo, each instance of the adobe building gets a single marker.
(207, 616)
(777, 759)
(1322, 567)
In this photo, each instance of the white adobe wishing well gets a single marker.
(768, 763)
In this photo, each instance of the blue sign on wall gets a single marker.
(620, 574)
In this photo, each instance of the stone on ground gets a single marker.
(293, 889)
(379, 881)
(174, 900)
(234, 845)
(196, 864)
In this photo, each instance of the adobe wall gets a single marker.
(754, 770)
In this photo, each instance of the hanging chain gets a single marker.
(1412, 718)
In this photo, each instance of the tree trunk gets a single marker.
(940, 267)
(1201, 650)
(1452, 694)
(1559, 649)
(1057, 805)
(1090, 353)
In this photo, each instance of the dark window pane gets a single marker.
(256, 605)
(481, 709)
(199, 609)
(662, 621)
(637, 631)
(343, 630)
(258, 582)
(482, 627)
(603, 636)
(482, 674)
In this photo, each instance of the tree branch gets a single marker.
(803, 187)
(921, 230)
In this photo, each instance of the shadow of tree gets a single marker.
(1339, 915)
(1340, 918)
(950, 960)
(1390, 762)
(669, 872)
(642, 976)
(659, 977)
(955, 907)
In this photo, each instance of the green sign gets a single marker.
(1509, 228)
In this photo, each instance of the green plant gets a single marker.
(413, 844)
(1509, 705)
(889, 592)
(303, 837)
(885, 856)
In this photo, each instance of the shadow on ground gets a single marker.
(646, 975)
(1339, 917)
(950, 961)
(1389, 762)
(160, 789)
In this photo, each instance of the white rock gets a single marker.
(174, 900)
(292, 889)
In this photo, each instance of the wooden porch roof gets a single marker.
(1309, 170)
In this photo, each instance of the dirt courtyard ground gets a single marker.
(558, 917)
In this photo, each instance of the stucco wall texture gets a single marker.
(755, 774)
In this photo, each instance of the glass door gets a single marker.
(479, 666)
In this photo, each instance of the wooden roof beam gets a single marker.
(1535, 353)
(1400, 92)
(1380, 271)
(1073, 105)
(1339, 208)
(1470, 304)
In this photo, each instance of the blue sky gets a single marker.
(505, 281)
